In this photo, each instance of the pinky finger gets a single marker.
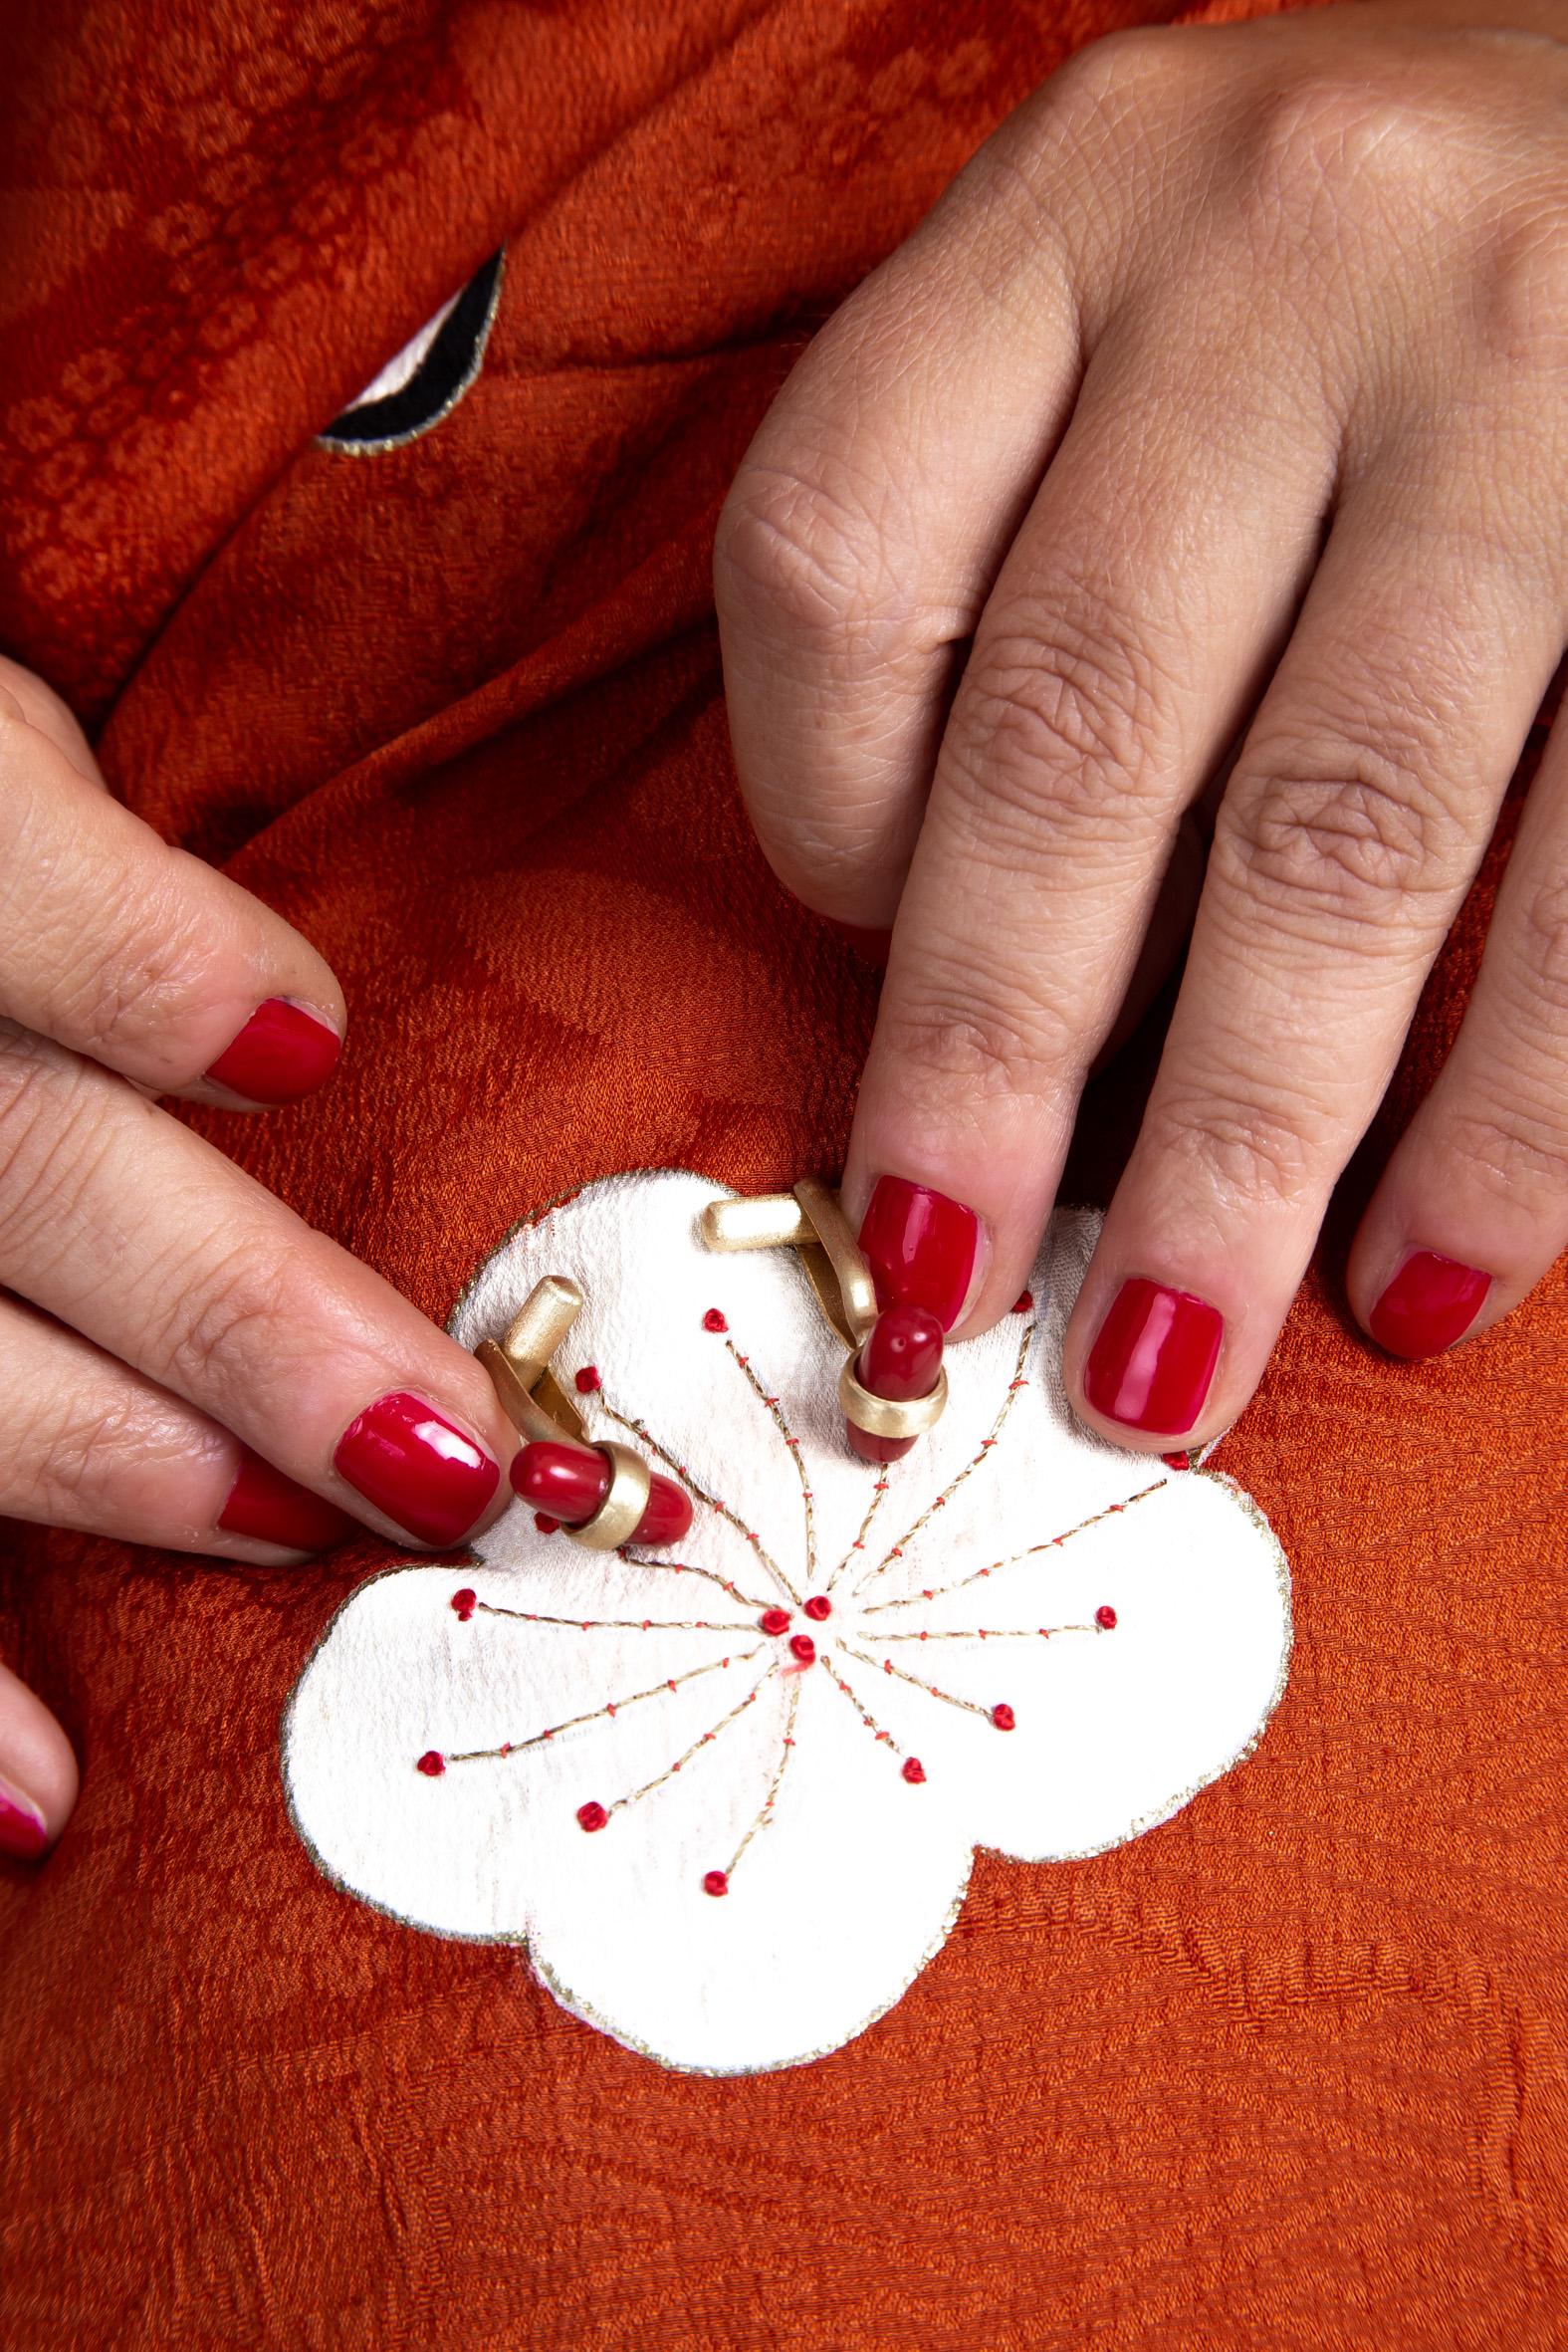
(38, 1773)
(1472, 1209)
(86, 1442)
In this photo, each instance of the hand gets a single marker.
(182, 1361)
(1211, 431)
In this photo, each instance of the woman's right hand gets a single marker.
(183, 1362)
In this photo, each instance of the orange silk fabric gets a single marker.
(1286, 2072)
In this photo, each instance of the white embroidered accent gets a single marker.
(735, 1845)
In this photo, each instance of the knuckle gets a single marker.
(1348, 841)
(1349, 142)
(49, 1156)
(797, 557)
(1227, 1140)
(223, 1327)
(1541, 959)
(1521, 288)
(950, 1036)
(1520, 1149)
(154, 967)
(1107, 81)
(1059, 720)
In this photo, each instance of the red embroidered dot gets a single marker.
(818, 1607)
(1002, 1716)
(716, 1882)
(1182, 1461)
(592, 1815)
(914, 1770)
(464, 1603)
(545, 1524)
(589, 1380)
(1105, 1619)
(713, 1320)
(1023, 1301)
(432, 1763)
(802, 1647)
(776, 1620)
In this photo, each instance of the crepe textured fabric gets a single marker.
(1288, 2070)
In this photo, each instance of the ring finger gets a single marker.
(1360, 806)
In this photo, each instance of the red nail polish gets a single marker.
(22, 1831)
(1431, 1303)
(410, 1462)
(901, 1359)
(1151, 1365)
(921, 1248)
(282, 1053)
(571, 1482)
(271, 1508)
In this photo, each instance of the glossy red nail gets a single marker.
(571, 1482)
(21, 1831)
(410, 1462)
(901, 1359)
(282, 1051)
(271, 1508)
(921, 1248)
(1432, 1302)
(1153, 1357)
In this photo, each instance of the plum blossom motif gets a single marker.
(727, 1796)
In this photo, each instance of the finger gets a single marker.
(872, 511)
(38, 1773)
(139, 955)
(131, 1230)
(1473, 1208)
(1123, 643)
(1355, 818)
(91, 1444)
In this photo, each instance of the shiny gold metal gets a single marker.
(880, 1416)
(773, 1221)
(535, 1402)
(617, 1519)
(809, 1221)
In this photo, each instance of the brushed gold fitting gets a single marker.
(537, 1405)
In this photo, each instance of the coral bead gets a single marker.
(914, 1770)
(818, 1607)
(802, 1646)
(592, 1815)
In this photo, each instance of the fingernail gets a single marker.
(1153, 1357)
(901, 1359)
(271, 1508)
(1431, 1303)
(569, 1484)
(921, 1248)
(413, 1464)
(282, 1051)
(22, 1831)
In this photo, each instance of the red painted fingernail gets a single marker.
(1431, 1303)
(413, 1464)
(271, 1508)
(22, 1831)
(921, 1248)
(571, 1482)
(1153, 1357)
(901, 1359)
(282, 1051)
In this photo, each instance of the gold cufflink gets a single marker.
(539, 1408)
(811, 1222)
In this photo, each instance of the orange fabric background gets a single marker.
(1288, 2071)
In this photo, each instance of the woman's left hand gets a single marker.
(1215, 422)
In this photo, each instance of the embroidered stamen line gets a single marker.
(620, 1624)
(640, 1429)
(866, 1717)
(886, 1666)
(986, 1444)
(938, 1591)
(764, 1815)
(704, 1741)
(689, 1567)
(859, 1543)
(989, 1634)
(774, 1410)
(655, 1691)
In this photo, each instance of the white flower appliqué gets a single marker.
(727, 1796)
